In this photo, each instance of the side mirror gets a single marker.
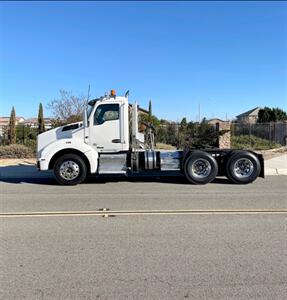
(85, 118)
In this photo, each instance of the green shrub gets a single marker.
(16, 151)
(252, 142)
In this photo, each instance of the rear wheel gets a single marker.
(200, 168)
(70, 169)
(243, 167)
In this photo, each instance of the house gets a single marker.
(140, 110)
(249, 116)
(214, 121)
(33, 122)
(4, 122)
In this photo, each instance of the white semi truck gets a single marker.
(108, 141)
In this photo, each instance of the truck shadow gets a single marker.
(29, 174)
(23, 173)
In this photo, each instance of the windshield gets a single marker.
(89, 110)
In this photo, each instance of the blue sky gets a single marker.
(227, 56)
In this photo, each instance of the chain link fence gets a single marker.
(273, 134)
(266, 135)
(257, 136)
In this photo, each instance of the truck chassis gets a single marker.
(111, 144)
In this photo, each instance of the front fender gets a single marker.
(73, 144)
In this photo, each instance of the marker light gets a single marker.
(113, 93)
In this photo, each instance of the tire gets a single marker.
(243, 167)
(200, 168)
(70, 169)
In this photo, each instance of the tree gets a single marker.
(150, 108)
(280, 115)
(199, 135)
(268, 114)
(12, 127)
(182, 133)
(67, 108)
(172, 134)
(149, 119)
(263, 116)
(161, 131)
(148, 124)
(41, 123)
(183, 123)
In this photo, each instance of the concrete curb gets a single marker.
(275, 171)
(276, 165)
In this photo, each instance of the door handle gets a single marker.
(116, 141)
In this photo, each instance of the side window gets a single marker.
(106, 112)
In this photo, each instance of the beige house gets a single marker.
(250, 116)
(214, 121)
(32, 122)
(4, 122)
(140, 110)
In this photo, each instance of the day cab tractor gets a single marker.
(108, 142)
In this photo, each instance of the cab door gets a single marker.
(105, 128)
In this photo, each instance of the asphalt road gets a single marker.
(43, 194)
(238, 256)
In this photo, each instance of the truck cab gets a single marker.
(108, 141)
(107, 130)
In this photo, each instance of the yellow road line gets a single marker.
(143, 212)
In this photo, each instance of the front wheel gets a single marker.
(70, 169)
(243, 167)
(200, 168)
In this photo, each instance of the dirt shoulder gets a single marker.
(17, 161)
(268, 154)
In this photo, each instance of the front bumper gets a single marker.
(42, 164)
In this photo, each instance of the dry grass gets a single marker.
(16, 151)
(162, 146)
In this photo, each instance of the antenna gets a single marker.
(88, 93)
(127, 93)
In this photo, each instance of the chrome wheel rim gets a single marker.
(243, 167)
(69, 170)
(201, 168)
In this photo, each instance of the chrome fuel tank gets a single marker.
(170, 160)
